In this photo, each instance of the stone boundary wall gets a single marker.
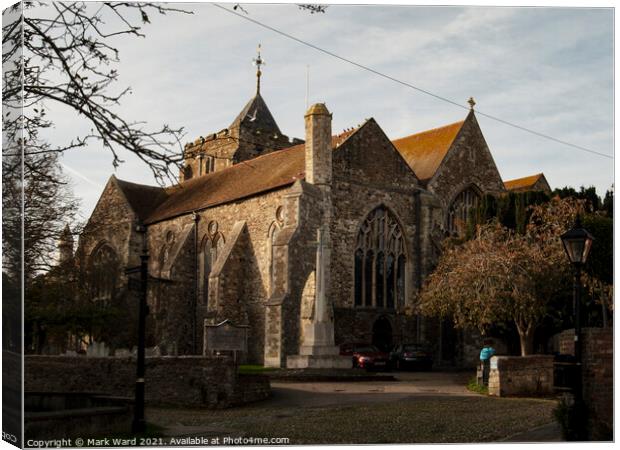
(194, 381)
(598, 378)
(521, 375)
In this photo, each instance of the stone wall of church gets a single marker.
(171, 292)
(112, 223)
(368, 173)
(220, 146)
(254, 142)
(468, 162)
(260, 213)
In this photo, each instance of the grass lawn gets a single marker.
(413, 420)
(253, 369)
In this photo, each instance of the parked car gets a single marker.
(407, 356)
(366, 356)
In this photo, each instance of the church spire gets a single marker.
(258, 62)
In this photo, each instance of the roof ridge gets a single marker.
(459, 122)
(137, 184)
(534, 175)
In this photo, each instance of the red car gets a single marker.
(366, 356)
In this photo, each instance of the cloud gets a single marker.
(550, 69)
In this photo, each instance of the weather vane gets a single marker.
(258, 62)
(471, 101)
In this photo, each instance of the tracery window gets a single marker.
(209, 251)
(104, 272)
(380, 261)
(460, 210)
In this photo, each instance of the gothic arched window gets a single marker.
(188, 173)
(460, 209)
(209, 251)
(104, 272)
(274, 229)
(379, 267)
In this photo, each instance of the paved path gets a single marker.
(408, 384)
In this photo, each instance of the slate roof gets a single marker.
(142, 198)
(257, 115)
(425, 151)
(522, 183)
(262, 174)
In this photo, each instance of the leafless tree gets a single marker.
(62, 53)
(48, 205)
(313, 8)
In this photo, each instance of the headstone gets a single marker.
(226, 338)
(152, 351)
(97, 350)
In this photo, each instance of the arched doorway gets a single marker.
(382, 334)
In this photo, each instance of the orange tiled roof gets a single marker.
(425, 151)
(264, 173)
(522, 183)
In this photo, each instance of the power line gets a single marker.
(411, 86)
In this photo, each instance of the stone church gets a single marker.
(308, 243)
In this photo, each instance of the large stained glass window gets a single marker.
(379, 272)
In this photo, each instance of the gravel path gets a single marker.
(429, 408)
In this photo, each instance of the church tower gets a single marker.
(65, 246)
(254, 132)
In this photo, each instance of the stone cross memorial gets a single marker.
(318, 349)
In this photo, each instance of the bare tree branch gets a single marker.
(68, 59)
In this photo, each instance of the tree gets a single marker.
(502, 276)
(593, 201)
(48, 206)
(62, 53)
(608, 202)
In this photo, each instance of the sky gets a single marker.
(547, 69)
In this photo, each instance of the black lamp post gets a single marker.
(138, 425)
(577, 243)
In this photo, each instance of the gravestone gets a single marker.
(225, 338)
(97, 350)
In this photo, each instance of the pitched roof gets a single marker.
(257, 114)
(523, 183)
(264, 173)
(425, 151)
(142, 198)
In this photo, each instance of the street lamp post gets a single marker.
(138, 425)
(577, 243)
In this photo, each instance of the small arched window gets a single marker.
(210, 249)
(460, 209)
(104, 272)
(379, 261)
(187, 173)
(274, 229)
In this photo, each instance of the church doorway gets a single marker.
(382, 334)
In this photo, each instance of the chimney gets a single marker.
(318, 145)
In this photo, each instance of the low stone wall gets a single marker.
(521, 375)
(195, 381)
(598, 388)
(251, 388)
(57, 416)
